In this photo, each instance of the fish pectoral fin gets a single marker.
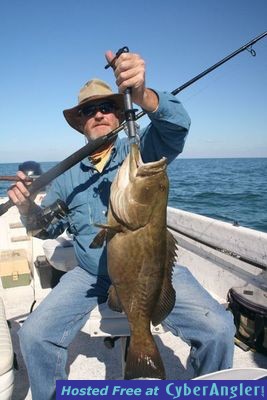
(113, 300)
(111, 228)
(167, 295)
(100, 238)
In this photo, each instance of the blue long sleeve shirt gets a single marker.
(86, 191)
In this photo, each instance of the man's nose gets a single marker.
(99, 114)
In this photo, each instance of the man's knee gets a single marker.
(29, 335)
(221, 327)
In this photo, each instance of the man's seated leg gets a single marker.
(201, 322)
(51, 327)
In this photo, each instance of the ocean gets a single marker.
(228, 189)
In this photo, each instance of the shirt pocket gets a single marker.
(80, 215)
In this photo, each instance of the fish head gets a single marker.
(148, 181)
(139, 189)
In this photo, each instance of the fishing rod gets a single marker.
(94, 145)
(63, 166)
(247, 46)
(129, 111)
(12, 178)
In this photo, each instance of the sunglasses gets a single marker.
(105, 108)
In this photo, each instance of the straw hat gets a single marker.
(91, 92)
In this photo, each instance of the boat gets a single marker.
(219, 254)
(222, 256)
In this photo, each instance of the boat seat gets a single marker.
(60, 253)
(6, 357)
(103, 322)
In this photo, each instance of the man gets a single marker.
(48, 331)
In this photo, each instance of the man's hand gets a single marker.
(129, 70)
(19, 193)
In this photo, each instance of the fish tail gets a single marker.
(143, 359)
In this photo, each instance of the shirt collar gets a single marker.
(88, 163)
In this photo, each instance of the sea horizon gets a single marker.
(232, 189)
(177, 158)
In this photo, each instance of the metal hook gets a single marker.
(251, 50)
(124, 49)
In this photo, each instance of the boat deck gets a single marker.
(90, 359)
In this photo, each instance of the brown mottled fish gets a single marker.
(141, 254)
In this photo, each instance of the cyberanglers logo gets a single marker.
(220, 390)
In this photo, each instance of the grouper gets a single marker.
(141, 255)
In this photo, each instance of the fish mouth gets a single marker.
(141, 169)
(152, 168)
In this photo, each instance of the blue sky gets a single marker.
(49, 49)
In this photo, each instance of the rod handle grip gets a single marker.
(6, 206)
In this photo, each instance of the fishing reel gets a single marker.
(39, 219)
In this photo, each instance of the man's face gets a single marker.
(99, 119)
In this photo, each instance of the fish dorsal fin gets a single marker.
(113, 300)
(166, 299)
